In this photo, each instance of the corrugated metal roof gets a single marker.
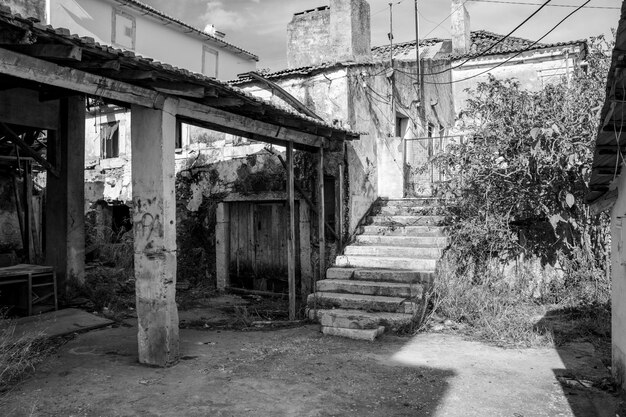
(93, 51)
(187, 27)
(608, 159)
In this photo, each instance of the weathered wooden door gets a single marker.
(258, 243)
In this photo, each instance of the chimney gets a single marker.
(28, 8)
(335, 33)
(308, 38)
(460, 28)
(350, 32)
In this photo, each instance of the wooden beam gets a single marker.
(24, 146)
(55, 52)
(283, 94)
(245, 125)
(34, 69)
(224, 102)
(178, 88)
(291, 234)
(129, 75)
(321, 215)
(109, 64)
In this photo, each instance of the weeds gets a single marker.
(18, 354)
(519, 308)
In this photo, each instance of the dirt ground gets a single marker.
(300, 372)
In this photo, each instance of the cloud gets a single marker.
(217, 15)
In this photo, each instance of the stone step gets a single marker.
(358, 261)
(384, 275)
(418, 231)
(410, 210)
(399, 221)
(439, 242)
(385, 289)
(330, 300)
(358, 319)
(357, 334)
(393, 251)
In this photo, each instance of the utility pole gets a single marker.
(417, 41)
(391, 35)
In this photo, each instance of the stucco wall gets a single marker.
(533, 69)
(618, 285)
(154, 38)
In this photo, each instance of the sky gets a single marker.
(260, 26)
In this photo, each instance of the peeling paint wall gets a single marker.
(199, 190)
(368, 98)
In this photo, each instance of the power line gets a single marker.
(499, 41)
(537, 4)
(518, 53)
(441, 23)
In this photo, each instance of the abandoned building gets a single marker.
(607, 193)
(51, 72)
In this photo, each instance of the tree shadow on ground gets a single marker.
(582, 338)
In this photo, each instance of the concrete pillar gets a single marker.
(65, 195)
(153, 135)
(306, 269)
(222, 246)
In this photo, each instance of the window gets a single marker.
(123, 30)
(209, 62)
(110, 140)
(402, 125)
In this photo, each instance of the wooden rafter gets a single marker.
(13, 137)
(283, 94)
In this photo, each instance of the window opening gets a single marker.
(209, 62)
(124, 30)
(109, 140)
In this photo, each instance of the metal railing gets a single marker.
(421, 172)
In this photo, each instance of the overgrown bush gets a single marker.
(519, 178)
(523, 240)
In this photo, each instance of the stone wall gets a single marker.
(339, 33)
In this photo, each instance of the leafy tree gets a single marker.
(519, 178)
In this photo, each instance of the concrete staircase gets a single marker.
(379, 281)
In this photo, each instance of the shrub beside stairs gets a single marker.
(379, 282)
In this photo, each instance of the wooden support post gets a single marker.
(27, 187)
(339, 211)
(65, 195)
(222, 246)
(154, 227)
(321, 214)
(291, 237)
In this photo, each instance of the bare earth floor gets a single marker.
(300, 372)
